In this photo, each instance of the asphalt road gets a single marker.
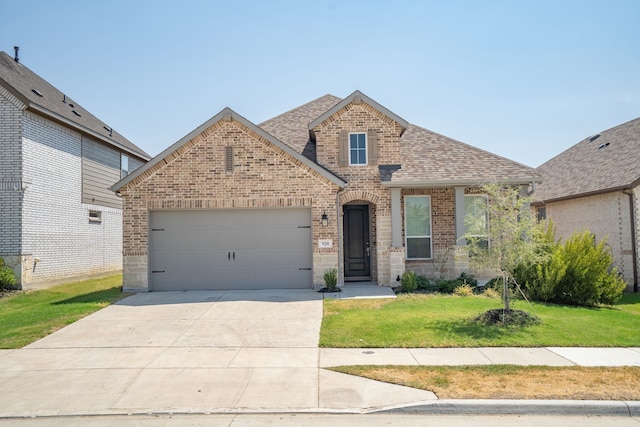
(314, 420)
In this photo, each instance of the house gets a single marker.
(335, 183)
(58, 216)
(595, 185)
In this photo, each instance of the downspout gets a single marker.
(338, 218)
(634, 249)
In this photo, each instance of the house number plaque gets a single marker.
(325, 243)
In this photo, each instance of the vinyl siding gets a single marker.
(100, 170)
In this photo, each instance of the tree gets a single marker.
(515, 237)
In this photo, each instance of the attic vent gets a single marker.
(606, 144)
(76, 113)
(37, 92)
(594, 137)
(228, 158)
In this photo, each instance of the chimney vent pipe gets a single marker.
(16, 49)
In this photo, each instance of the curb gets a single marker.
(615, 408)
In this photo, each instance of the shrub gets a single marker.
(409, 281)
(463, 291)
(578, 273)
(331, 279)
(496, 285)
(449, 286)
(424, 284)
(7, 276)
(491, 293)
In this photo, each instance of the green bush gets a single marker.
(497, 286)
(409, 281)
(463, 291)
(7, 276)
(578, 273)
(449, 286)
(422, 282)
(331, 279)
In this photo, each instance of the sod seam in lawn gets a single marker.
(30, 315)
(437, 321)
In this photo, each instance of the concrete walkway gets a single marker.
(189, 352)
(229, 351)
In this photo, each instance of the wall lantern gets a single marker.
(325, 220)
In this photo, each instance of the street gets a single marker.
(312, 420)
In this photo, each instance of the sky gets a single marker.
(524, 79)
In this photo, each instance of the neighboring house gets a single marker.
(595, 186)
(335, 183)
(58, 215)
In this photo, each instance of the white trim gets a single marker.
(366, 144)
(430, 236)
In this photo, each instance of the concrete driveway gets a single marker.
(189, 352)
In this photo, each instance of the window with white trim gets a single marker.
(357, 149)
(476, 220)
(417, 226)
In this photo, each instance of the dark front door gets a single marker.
(357, 257)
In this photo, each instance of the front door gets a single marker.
(357, 253)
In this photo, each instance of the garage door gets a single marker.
(230, 249)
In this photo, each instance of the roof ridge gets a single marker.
(41, 96)
(300, 106)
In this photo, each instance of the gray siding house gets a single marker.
(58, 216)
(595, 186)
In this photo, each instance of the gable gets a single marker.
(202, 157)
(357, 98)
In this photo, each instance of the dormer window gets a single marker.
(357, 149)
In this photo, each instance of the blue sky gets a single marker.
(523, 79)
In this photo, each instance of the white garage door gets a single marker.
(230, 249)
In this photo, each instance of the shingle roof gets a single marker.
(608, 162)
(22, 82)
(292, 127)
(430, 158)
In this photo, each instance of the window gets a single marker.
(124, 165)
(95, 217)
(476, 221)
(542, 213)
(417, 226)
(357, 148)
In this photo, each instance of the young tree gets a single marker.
(515, 237)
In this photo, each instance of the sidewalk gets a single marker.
(544, 356)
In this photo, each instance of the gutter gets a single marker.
(634, 249)
(454, 183)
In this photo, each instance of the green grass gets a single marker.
(415, 321)
(28, 316)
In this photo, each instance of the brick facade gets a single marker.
(194, 177)
(607, 216)
(45, 228)
(193, 174)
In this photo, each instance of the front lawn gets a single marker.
(422, 321)
(30, 315)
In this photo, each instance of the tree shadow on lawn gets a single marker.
(466, 329)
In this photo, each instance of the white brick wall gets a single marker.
(56, 227)
(10, 175)
(606, 216)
